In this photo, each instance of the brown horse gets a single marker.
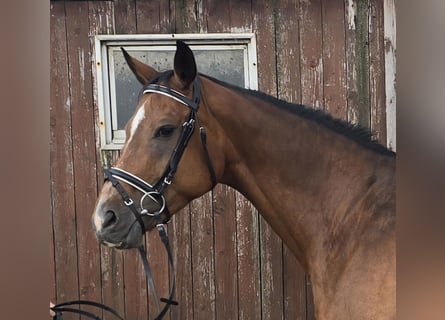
(324, 186)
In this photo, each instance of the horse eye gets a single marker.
(165, 131)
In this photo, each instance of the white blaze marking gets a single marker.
(138, 117)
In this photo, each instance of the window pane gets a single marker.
(223, 64)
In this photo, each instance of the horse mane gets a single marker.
(354, 132)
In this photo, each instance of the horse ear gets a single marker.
(145, 74)
(184, 64)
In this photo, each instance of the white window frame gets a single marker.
(114, 139)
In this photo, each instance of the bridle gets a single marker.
(156, 193)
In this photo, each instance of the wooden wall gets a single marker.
(229, 263)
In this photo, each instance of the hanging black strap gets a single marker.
(62, 307)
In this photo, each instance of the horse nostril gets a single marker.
(109, 219)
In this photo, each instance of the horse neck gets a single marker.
(312, 185)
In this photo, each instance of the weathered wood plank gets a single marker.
(389, 17)
(334, 61)
(357, 61)
(377, 70)
(158, 258)
(153, 16)
(249, 285)
(180, 237)
(101, 21)
(61, 159)
(203, 258)
(240, 15)
(188, 16)
(226, 266)
(311, 53)
(52, 263)
(288, 51)
(84, 148)
(125, 16)
(217, 15)
(135, 286)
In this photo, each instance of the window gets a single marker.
(227, 57)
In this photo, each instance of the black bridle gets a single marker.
(156, 193)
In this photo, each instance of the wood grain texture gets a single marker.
(357, 61)
(203, 257)
(84, 147)
(101, 21)
(334, 60)
(249, 271)
(377, 70)
(311, 53)
(226, 264)
(61, 159)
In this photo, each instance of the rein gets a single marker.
(156, 194)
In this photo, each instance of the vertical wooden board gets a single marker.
(84, 148)
(203, 264)
(351, 66)
(217, 15)
(61, 160)
(311, 53)
(271, 273)
(52, 263)
(377, 70)
(240, 15)
(125, 16)
(362, 60)
(288, 51)
(148, 16)
(270, 244)
(135, 289)
(249, 286)
(334, 61)
(180, 237)
(158, 258)
(389, 18)
(188, 16)
(226, 266)
(101, 21)
(357, 61)
(112, 268)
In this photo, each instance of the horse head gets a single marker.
(165, 162)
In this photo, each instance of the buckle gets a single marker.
(129, 202)
(160, 227)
